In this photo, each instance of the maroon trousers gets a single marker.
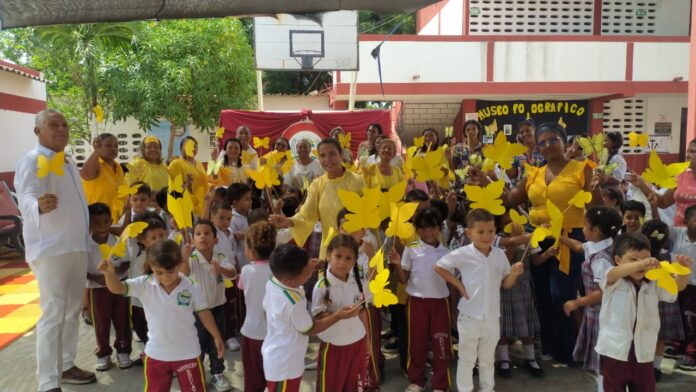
(429, 321)
(159, 375)
(285, 385)
(139, 322)
(252, 361)
(341, 368)
(618, 375)
(235, 310)
(375, 358)
(106, 309)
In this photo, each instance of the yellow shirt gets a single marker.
(199, 185)
(322, 204)
(383, 181)
(228, 175)
(561, 189)
(155, 175)
(104, 188)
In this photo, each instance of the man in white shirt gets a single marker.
(57, 257)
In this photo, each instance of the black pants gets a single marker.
(217, 365)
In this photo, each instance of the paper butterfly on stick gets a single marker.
(664, 277)
(394, 195)
(344, 139)
(364, 212)
(449, 131)
(580, 199)
(98, 114)
(493, 128)
(264, 177)
(179, 203)
(399, 224)
(124, 190)
(517, 219)
(119, 249)
(591, 145)
(262, 143)
(488, 197)
(502, 151)
(214, 167)
(248, 157)
(54, 165)
(429, 166)
(637, 139)
(189, 148)
(220, 132)
(664, 176)
(382, 296)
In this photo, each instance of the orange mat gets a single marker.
(19, 301)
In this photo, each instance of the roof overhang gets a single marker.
(22, 13)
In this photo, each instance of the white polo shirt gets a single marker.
(212, 285)
(287, 318)
(240, 223)
(482, 277)
(682, 245)
(341, 294)
(227, 245)
(599, 265)
(624, 320)
(171, 332)
(253, 281)
(95, 258)
(419, 259)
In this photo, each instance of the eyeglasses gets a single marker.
(549, 142)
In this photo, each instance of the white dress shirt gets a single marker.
(240, 223)
(600, 265)
(419, 259)
(341, 294)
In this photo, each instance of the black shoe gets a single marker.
(536, 372)
(503, 372)
(475, 371)
(673, 353)
(658, 374)
(391, 347)
(687, 363)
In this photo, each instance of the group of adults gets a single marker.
(58, 257)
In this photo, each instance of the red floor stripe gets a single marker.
(17, 279)
(7, 309)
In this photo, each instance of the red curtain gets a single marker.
(272, 124)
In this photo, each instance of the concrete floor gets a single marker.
(18, 366)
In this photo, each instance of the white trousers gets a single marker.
(61, 284)
(477, 340)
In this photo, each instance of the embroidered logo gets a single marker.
(184, 298)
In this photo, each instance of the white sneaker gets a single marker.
(413, 388)
(232, 344)
(220, 383)
(103, 363)
(311, 365)
(123, 360)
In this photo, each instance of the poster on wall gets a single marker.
(162, 132)
(505, 115)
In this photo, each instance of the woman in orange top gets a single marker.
(559, 278)
(193, 173)
(102, 175)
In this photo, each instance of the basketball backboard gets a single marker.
(325, 41)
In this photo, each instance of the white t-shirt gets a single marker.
(600, 265)
(212, 285)
(137, 263)
(240, 223)
(95, 258)
(341, 294)
(482, 277)
(171, 332)
(311, 171)
(287, 318)
(227, 245)
(682, 245)
(419, 259)
(253, 281)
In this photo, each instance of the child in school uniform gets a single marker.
(107, 308)
(483, 270)
(288, 322)
(342, 360)
(170, 300)
(602, 224)
(208, 269)
(628, 320)
(427, 310)
(633, 213)
(221, 216)
(138, 203)
(260, 242)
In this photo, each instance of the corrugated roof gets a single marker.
(22, 71)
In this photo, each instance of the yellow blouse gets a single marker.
(228, 175)
(561, 189)
(155, 175)
(381, 180)
(199, 186)
(103, 189)
(322, 204)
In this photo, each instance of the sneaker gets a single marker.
(391, 347)
(103, 363)
(413, 388)
(504, 369)
(140, 361)
(232, 344)
(387, 334)
(687, 363)
(311, 365)
(658, 374)
(546, 357)
(75, 375)
(534, 371)
(673, 353)
(124, 361)
(220, 383)
(86, 316)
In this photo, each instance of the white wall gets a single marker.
(660, 61)
(17, 131)
(11, 83)
(666, 108)
(451, 18)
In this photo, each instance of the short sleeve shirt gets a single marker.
(212, 285)
(96, 257)
(419, 259)
(253, 281)
(341, 294)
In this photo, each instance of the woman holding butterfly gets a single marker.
(102, 175)
(227, 169)
(149, 168)
(192, 173)
(469, 146)
(368, 147)
(338, 133)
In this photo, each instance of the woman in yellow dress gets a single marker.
(322, 203)
(193, 173)
(231, 171)
(383, 174)
(149, 168)
(559, 278)
(102, 174)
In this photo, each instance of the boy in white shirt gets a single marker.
(288, 320)
(483, 269)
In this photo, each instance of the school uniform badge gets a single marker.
(184, 298)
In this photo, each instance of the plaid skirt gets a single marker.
(671, 327)
(587, 339)
(518, 316)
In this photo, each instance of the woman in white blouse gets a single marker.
(303, 167)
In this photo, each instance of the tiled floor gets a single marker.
(19, 300)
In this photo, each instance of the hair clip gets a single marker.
(657, 234)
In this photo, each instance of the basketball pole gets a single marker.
(259, 89)
(353, 85)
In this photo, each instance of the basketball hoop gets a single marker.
(305, 46)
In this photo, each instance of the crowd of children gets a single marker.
(235, 279)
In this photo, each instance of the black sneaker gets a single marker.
(673, 353)
(504, 372)
(658, 374)
(387, 334)
(391, 347)
(688, 363)
(534, 371)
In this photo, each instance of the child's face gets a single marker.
(243, 205)
(222, 219)
(139, 203)
(429, 235)
(166, 278)
(203, 238)
(341, 261)
(632, 256)
(691, 223)
(631, 219)
(152, 236)
(482, 234)
(591, 233)
(100, 224)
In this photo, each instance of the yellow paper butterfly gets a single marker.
(488, 165)
(580, 199)
(664, 277)
(418, 141)
(179, 203)
(368, 170)
(475, 159)
(289, 161)
(556, 220)
(228, 283)
(487, 198)
(220, 132)
(382, 296)
(429, 166)
(462, 173)
(330, 235)
(517, 219)
(394, 195)
(663, 175)
(449, 131)
(364, 213)
(134, 229)
(46, 166)
(272, 158)
(124, 190)
(262, 143)
(344, 139)
(637, 139)
(214, 167)
(399, 224)
(98, 114)
(349, 167)
(502, 151)
(377, 261)
(265, 177)
(539, 234)
(592, 144)
(189, 148)
(493, 128)
(248, 157)
(118, 250)
(178, 238)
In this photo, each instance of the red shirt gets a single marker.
(684, 195)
